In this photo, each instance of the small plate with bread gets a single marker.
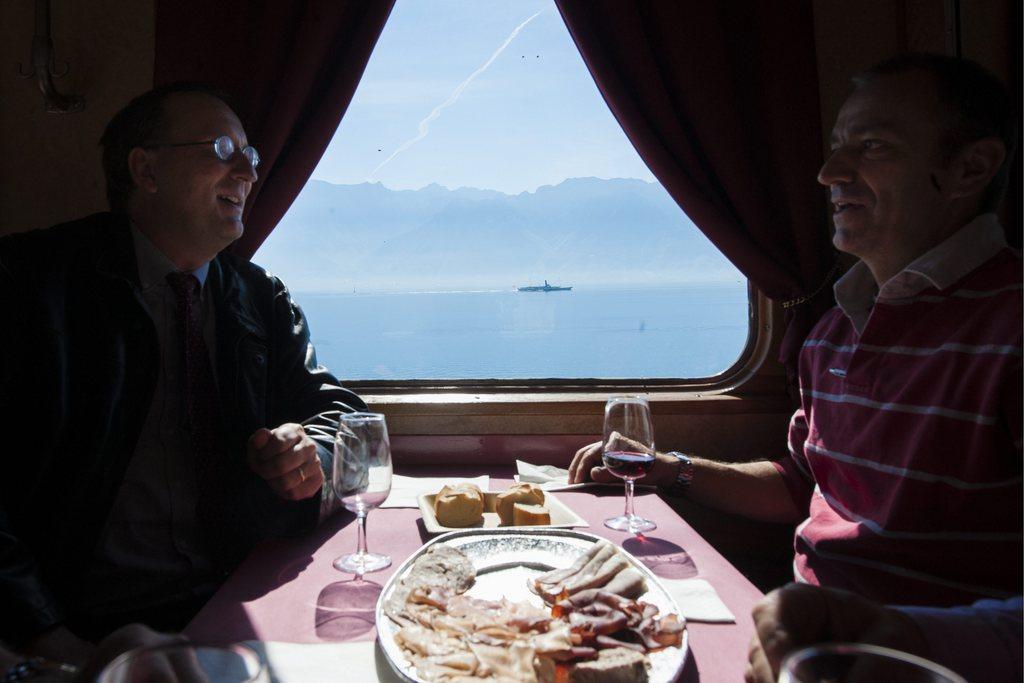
(465, 506)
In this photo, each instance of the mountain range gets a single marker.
(583, 231)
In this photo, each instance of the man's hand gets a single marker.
(61, 645)
(587, 465)
(798, 615)
(286, 458)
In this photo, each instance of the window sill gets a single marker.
(476, 429)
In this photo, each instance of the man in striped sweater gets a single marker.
(904, 466)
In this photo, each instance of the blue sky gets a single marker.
(533, 117)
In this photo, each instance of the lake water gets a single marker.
(680, 331)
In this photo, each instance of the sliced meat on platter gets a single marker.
(457, 637)
(602, 619)
(440, 567)
(588, 634)
(602, 566)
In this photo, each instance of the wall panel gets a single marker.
(50, 163)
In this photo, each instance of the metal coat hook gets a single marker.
(43, 70)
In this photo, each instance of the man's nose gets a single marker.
(241, 169)
(836, 169)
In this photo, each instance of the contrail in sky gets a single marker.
(424, 126)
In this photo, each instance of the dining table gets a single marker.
(313, 622)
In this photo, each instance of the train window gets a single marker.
(480, 215)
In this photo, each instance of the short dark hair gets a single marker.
(977, 105)
(137, 124)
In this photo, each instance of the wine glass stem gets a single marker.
(361, 543)
(629, 499)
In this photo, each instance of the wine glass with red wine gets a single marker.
(628, 453)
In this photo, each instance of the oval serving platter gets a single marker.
(504, 560)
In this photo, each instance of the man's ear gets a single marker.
(975, 166)
(141, 166)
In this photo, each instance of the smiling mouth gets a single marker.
(231, 199)
(840, 207)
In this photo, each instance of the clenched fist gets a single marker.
(286, 459)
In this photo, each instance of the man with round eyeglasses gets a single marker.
(161, 402)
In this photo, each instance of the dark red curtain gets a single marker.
(292, 68)
(1012, 212)
(720, 99)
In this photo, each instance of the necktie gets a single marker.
(200, 388)
(202, 410)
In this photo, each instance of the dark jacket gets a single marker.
(78, 364)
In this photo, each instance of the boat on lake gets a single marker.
(544, 288)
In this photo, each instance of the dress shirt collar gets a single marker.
(940, 267)
(154, 266)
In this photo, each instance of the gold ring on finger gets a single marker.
(302, 475)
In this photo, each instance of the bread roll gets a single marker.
(517, 493)
(530, 515)
(459, 505)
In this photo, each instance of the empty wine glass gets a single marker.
(861, 663)
(362, 480)
(628, 452)
(187, 662)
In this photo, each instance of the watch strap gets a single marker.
(684, 474)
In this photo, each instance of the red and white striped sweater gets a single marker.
(907, 445)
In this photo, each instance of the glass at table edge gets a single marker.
(805, 653)
(245, 651)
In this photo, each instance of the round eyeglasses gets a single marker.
(223, 147)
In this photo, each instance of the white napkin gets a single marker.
(324, 662)
(551, 478)
(547, 476)
(698, 601)
(405, 491)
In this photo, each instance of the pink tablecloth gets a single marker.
(287, 590)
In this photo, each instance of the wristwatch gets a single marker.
(684, 474)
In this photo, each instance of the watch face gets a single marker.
(685, 473)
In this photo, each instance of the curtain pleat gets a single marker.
(720, 100)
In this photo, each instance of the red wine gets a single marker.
(628, 465)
